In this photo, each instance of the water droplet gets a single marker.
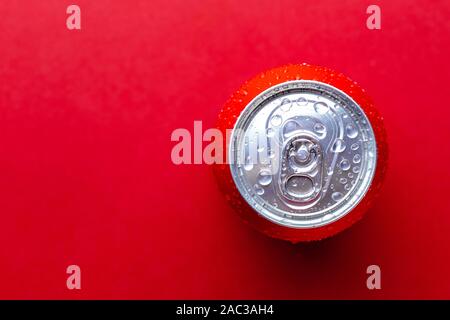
(343, 180)
(264, 177)
(344, 164)
(350, 175)
(355, 169)
(355, 146)
(321, 107)
(330, 171)
(302, 101)
(338, 146)
(289, 127)
(347, 187)
(271, 154)
(320, 129)
(336, 196)
(286, 104)
(351, 131)
(276, 120)
(258, 190)
(260, 149)
(357, 158)
(248, 165)
(270, 132)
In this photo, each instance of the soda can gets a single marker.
(306, 155)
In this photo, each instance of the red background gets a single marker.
(85, 171)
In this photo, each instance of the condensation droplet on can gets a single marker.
(265, 177)
(276, 120)
(336, 196)
(321, 107)
(338, 146)
(344, 164)
(351, 131)
(258, 189)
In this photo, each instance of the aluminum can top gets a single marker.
(302, 154)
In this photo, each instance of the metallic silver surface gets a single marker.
(303, 154)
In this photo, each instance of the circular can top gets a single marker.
(302, 154)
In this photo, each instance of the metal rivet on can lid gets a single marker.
(303, 154)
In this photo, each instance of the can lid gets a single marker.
(303, 154)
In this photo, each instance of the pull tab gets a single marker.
(301, 178)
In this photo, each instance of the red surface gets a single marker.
(86, 175)
(255, 86)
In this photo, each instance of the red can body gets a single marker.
(242, 97)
